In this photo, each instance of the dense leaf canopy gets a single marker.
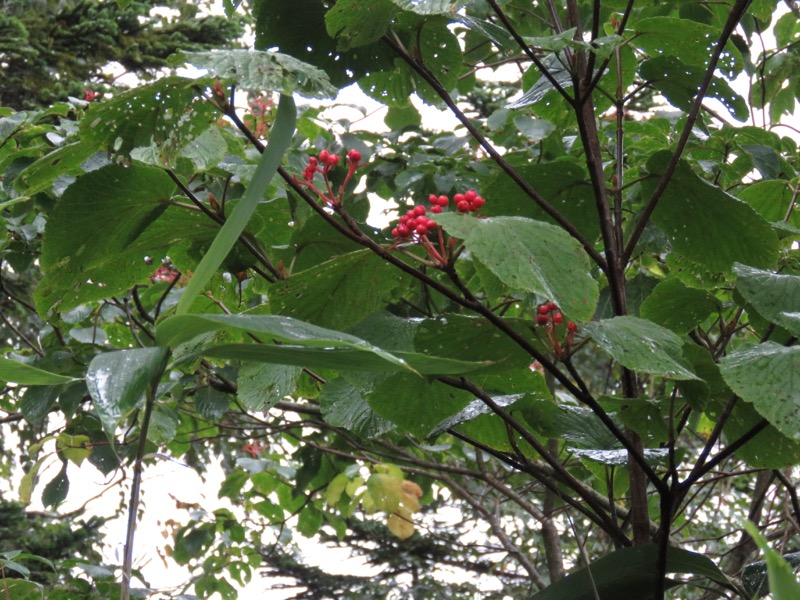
(548, 353)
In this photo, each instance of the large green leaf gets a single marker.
(117, 381)
(677, 307)
(279, 139)
(640, 345)
(69, 159)
(164, 115)
(415, 404)
(22, 589)
(264, 70)
(344, 406)
(298, 28)
(298, 341)
(565, 185)
(690, 40)
(279, 329)
(679, 82)
(629, 573)
(339, 292)
(530, 256)
(13, 371)
(260, 386)
(721, 231)
(768, 376)
(356, 23)
(772, 199)
(771, 294)
(86, 239)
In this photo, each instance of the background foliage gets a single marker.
(581, 385)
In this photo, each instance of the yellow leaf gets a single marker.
(400, 524)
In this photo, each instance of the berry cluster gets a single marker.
(259, 118)
(550, 317)
(468, 202)
(89, 95)
(415, 226)
(323, 165)
(415, 223)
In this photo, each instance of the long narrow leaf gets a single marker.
(280, 137)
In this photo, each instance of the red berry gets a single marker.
(436, 209)
(433, 199)
(443, 201)
(419, 210)
(544, 309)
(403, 230)
(324, 156)
(541, 320)
(332, 160)
(312, 161)
(470, 195)
(558, 318)
(463, 206)
(458, 198)
(571, 327)
(396, 232)
(476, 203)
(422, 230)
(354, 156)
(552, 305)
(412, 224)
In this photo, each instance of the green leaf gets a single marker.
(629, 573)
(342, 358)
(771, 294)
(556, 65)
(573, 424)
(164, 115)
(117, 381)
(192, 541)
(677, 307)
(356, 23)
(430, 7)
(679, 83)
(85, 253)
(55, 492)
(692, 41)
(211, 404)
(771, 199)
(721, 231)
(22, 589)
(37, 401)
(406, 401)
(66, 160)
(768, 376)
(279, 139)
(640, 345)
(260, 386)
(264, 70)
(565, 185)
(344, 406)
(783, 584)
(340, 292)
(277, 26)
(314, 341)
(530, 256)
(13, 371)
